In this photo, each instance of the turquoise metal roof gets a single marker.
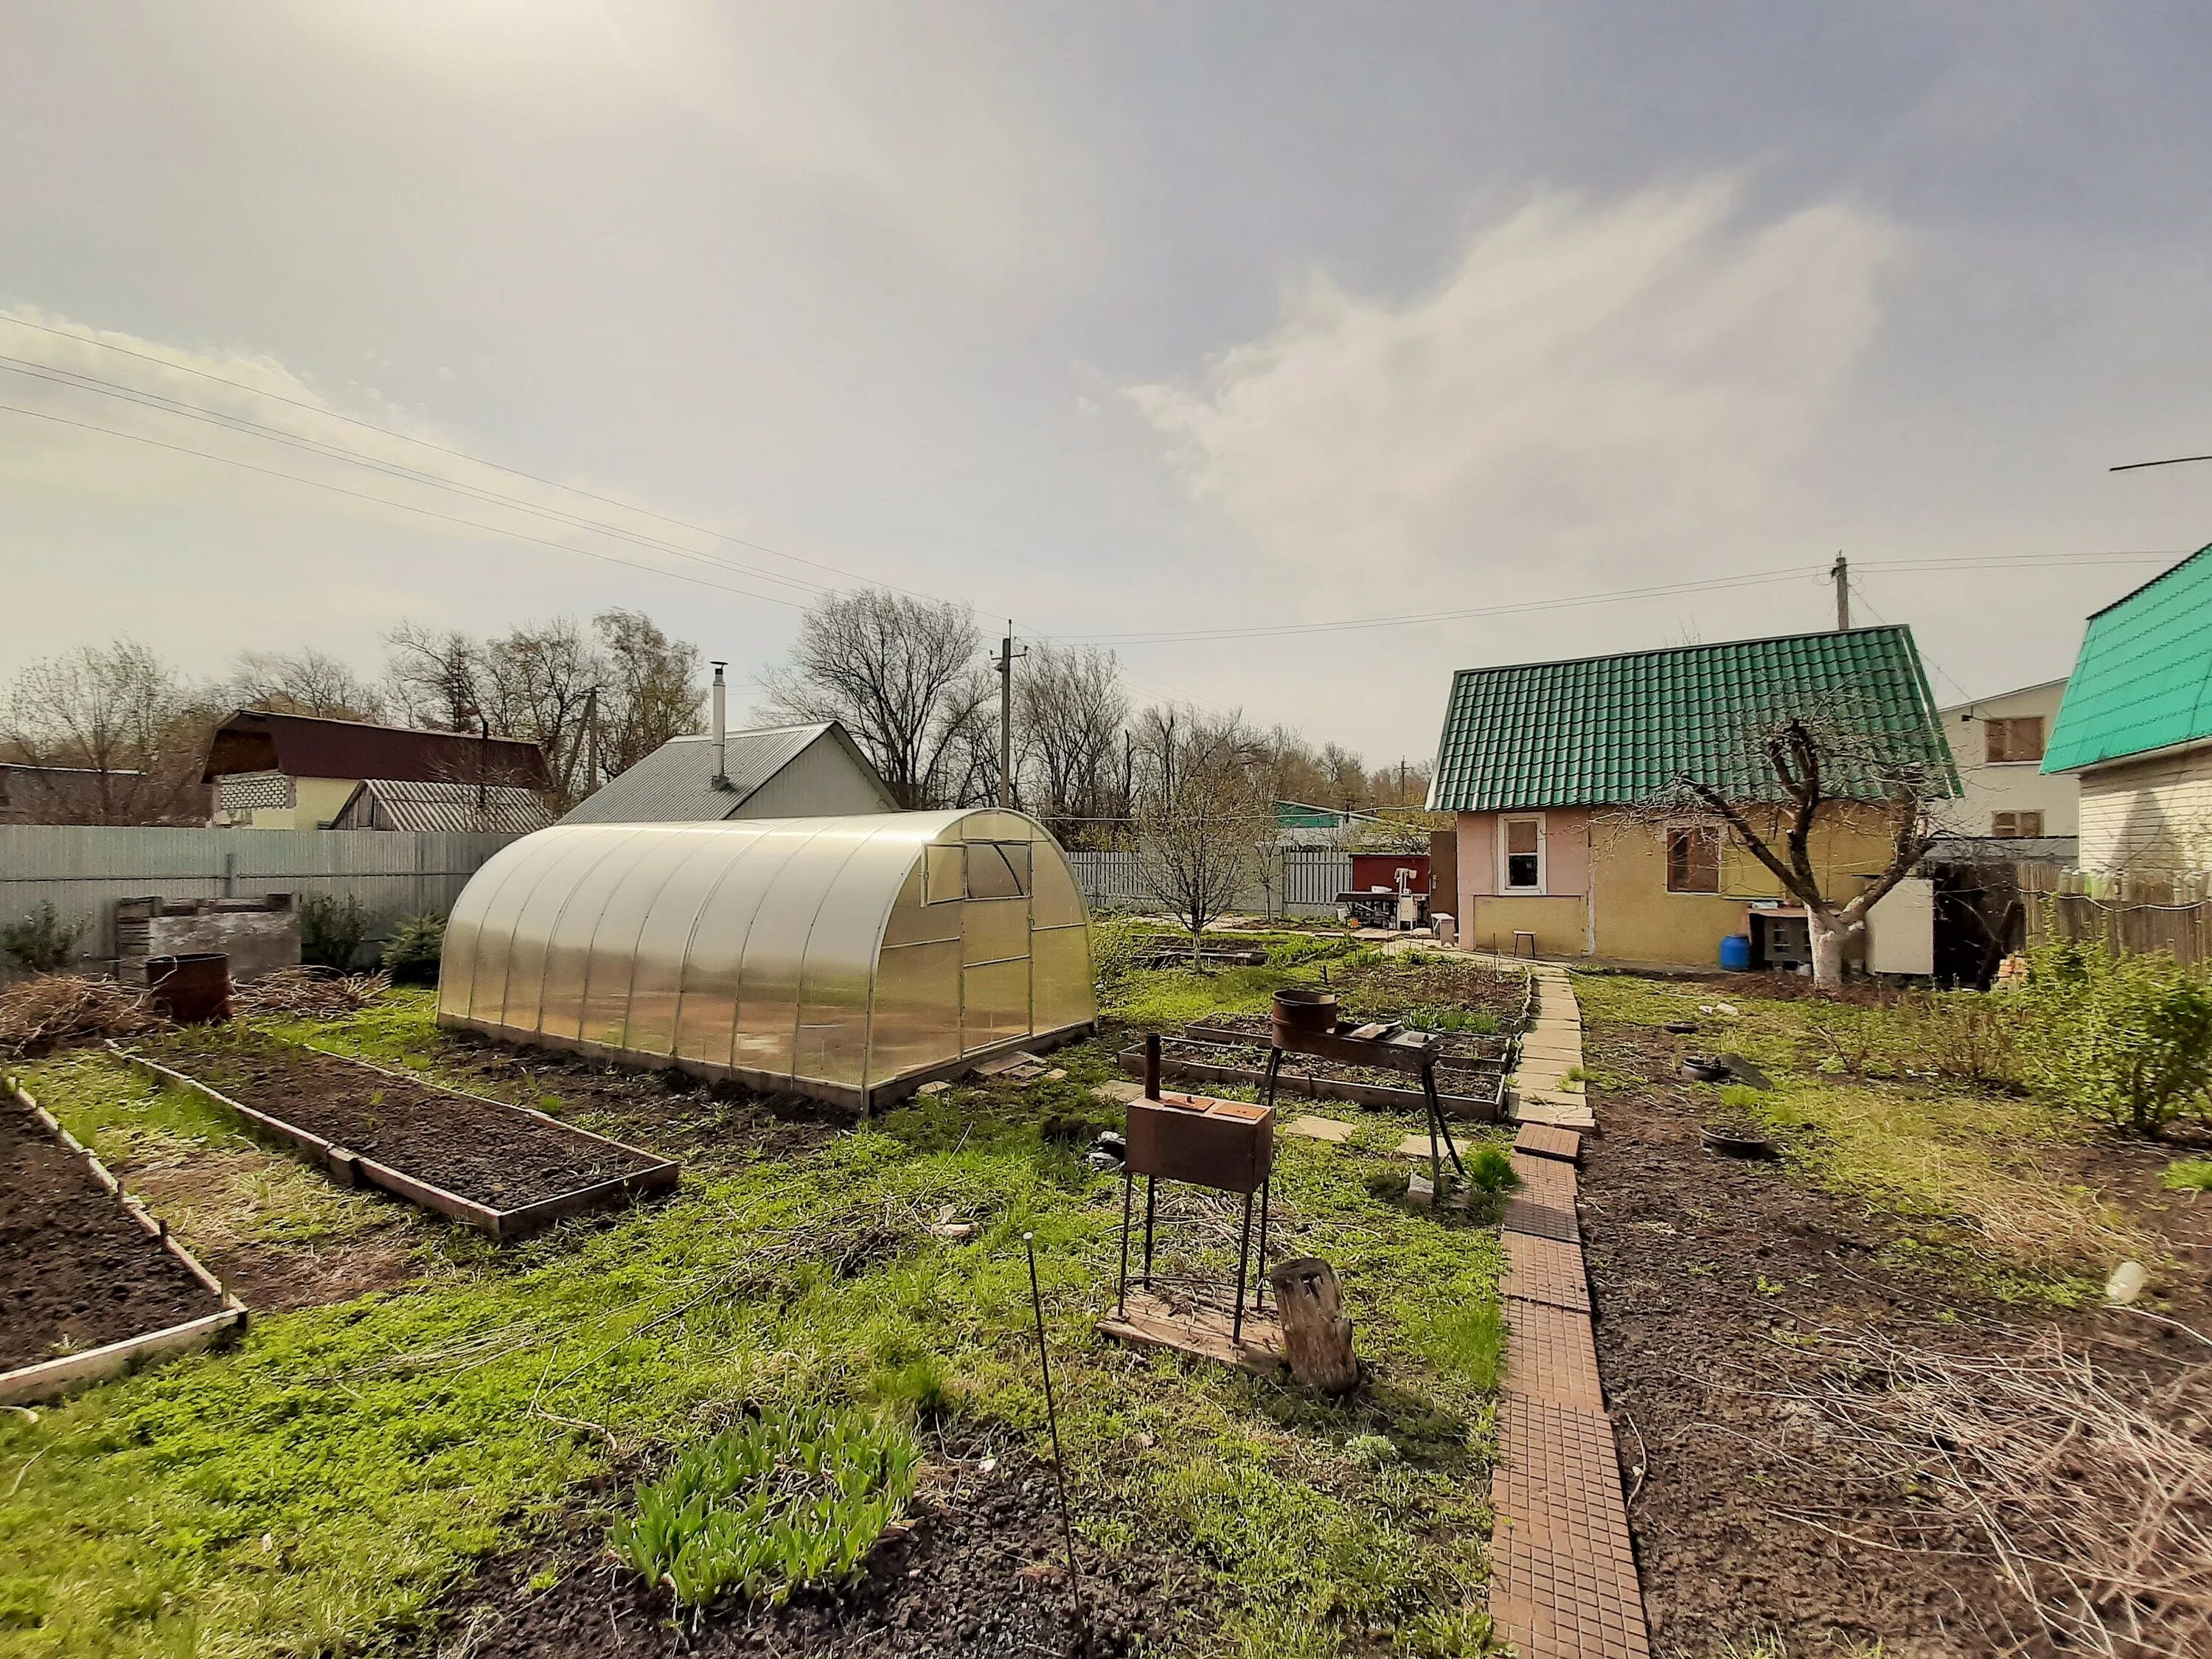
(2143, 680)
(1614, 731)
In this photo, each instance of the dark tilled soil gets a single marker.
(481, 1152)
(1723, 1287)
(74, 1268)
(982, 1573)
(667, 1110)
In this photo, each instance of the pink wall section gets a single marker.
(1566, 854)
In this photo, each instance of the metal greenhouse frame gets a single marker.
(847, 958)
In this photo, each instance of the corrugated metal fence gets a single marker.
(2138, 911)
(1295, 879)
(82, 871)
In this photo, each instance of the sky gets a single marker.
(1138, 325)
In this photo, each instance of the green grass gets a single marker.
(313, 1490)
(2190, 1175)
(792, 1497)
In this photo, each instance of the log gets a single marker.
(1317, 1336)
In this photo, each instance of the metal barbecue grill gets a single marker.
(1304, 1022)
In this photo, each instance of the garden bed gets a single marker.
(506, 1170)
(1233, 1050)
(96, 1285)
(1754, 1319)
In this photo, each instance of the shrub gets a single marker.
(1490, 1169)
(1971, 1036)
(410, 956)
(791, 1497)
(2121, 1037)
(42, 941)
(1117, 947)
(332, 930)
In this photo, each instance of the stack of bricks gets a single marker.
(1563, 1572)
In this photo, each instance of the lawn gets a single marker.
(321, 1487)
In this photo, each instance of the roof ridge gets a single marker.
(1684, 650)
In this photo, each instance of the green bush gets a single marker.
(42, 941)
(791, 1497)
(1490, 1169)
(410, 956)
(1118, 947)
(2119, 1036)
(332, 930)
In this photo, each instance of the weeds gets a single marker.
(791, 1497)
(2189, 1174)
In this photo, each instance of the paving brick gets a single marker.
(1563, 1571)
(1551, 1355)
(1544, 1270)
(1319, 1128)
(1526, 1215)
(1546, 1180)
(1543, 1140)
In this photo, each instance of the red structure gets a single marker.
(1373, 870)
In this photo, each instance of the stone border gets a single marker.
(1563, 1581)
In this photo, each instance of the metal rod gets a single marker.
(1129, 1196)
(1259, 1283)
(1152, 1190)
(1059, 1463)
(1243, 1250)
(1152, 1065)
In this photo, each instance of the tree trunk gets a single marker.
(1827, 949)
(1317, 1336)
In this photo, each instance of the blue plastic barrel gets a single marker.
(1736, 953)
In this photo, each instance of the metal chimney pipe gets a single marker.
(721, 730)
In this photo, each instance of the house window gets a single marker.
(1523, 840)
(2010, 825)
(2019, 739)
(1694, 859)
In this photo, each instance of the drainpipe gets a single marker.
(721, 730)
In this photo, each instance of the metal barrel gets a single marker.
(192, 989)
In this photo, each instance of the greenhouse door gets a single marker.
(994, 985)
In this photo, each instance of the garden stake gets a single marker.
(1058, 1464)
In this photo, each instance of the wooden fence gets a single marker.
(2144, 912)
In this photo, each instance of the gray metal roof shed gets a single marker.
(780, 771)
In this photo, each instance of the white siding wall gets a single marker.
(2149, 814)
(2008, 787)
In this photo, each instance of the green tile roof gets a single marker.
(2143, 680)
(1614, 731)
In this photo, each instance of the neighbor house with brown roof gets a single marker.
(272, 771)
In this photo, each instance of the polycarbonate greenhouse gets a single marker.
(847, 958)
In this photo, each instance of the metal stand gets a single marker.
(1402, 1050)
(1244, 1262)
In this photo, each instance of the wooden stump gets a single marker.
(1317, 1336)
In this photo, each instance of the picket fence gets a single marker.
(1293, 881)
(2141, 911)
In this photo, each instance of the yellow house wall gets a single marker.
(1637, 920)
(1560, 923)
(318, 800)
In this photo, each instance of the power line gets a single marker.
(402, 507)
(2177, 460)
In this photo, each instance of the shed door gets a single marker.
(995, 1000)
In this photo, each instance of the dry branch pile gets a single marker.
(2094, 1491)
(54, 1010)
(308, 993)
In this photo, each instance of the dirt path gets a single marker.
(1727, 1290)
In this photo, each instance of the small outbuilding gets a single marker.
(847, 958)
(814, 770)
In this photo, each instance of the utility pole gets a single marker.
(1006, 657)
(1840, 573)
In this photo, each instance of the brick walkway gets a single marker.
(1563, 1571)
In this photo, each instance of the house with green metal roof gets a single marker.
(2135, 726)
(1550, 769)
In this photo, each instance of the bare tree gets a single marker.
(1793, 772)
(653, 689)
(433, 676)
(1069, 712)
(902, 675)
(304, 682)
(1203, 831)
(535, 684)
(123, 724)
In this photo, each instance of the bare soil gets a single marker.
(982, 1573)
(485, 1152)
(1724, 1289)
(74, 1268)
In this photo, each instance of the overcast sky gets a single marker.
(1120, 319)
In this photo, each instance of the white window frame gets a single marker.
(1505, 888)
